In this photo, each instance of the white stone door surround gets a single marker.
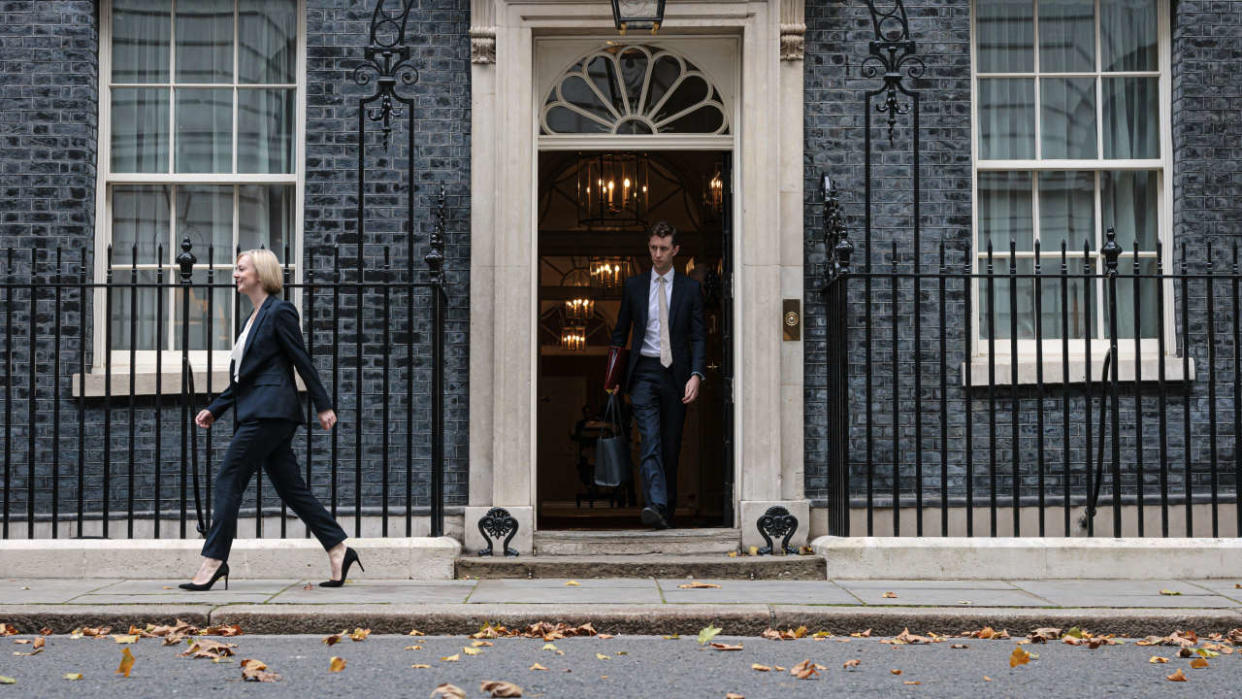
(767, 254)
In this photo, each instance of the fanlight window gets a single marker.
(634, 90)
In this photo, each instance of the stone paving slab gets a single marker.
(212, 597)
(757, 591)
(1224, 588)
(383, 592)
(53, 591)
(1125, 594)
(169, 587)
(945, 593)
(555, 591)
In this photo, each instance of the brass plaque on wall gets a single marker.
(791, 319)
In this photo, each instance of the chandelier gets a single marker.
(612, 190)
(713, 194)
(573, 338)
(579, 310)
(609, 273)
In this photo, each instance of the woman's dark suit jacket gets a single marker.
(264, 388)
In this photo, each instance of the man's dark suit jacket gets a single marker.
(264, 388)
(685, 325)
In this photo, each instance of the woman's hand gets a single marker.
(327, 419)
(204, 419)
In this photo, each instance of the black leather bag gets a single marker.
(612, 449)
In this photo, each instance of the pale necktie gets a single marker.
(666, 351)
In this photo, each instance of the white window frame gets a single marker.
(145, 360)
(1052, 348)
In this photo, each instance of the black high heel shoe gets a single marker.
(351, 557)
(221, 572)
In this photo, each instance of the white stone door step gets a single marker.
(635, 542)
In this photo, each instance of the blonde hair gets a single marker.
(267, 267)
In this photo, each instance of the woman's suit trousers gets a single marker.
(270, 443)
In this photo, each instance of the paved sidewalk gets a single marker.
(639, 605)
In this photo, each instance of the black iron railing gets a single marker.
(1015, 409)
(81, 458)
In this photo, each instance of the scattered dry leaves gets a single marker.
(73, 676)
(601, 656)
(895, 671)
(415, 632)
(988, 632)
(1199, 664)
(805, 670)
(889, 595)
(786, 635)
(1177, 676)
(336, 664)
(1019, 657)
(222, 630)
(256, 671)
(734, 695)
(1170, 593)
(696, 585)
(500, 689)
(448, 691)
(760, 668)
(451, 658)
(4, 679)
(90, 632)
(125, 638)
(1044, 634)
(542, 629)
(537, 666)
(334, 638)
(421, 666)
(726, 646)
(207, 648)
(707, 633)
(46, 631)
(8, 630)
(1156, 659)
(907, 638)
(912, 682)
(412, 648)
(572, 583)
(958, 646)
(127, 663)
(853, 663)
(359, 634)
(471, 651)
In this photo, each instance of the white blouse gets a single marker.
(240, 348)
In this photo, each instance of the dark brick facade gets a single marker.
(1207, 39)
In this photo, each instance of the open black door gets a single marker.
(726, 336)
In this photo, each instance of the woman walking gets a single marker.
(261, 388)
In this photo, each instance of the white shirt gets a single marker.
(651, 339)
(240, 348)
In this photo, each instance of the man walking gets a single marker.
(665, 368)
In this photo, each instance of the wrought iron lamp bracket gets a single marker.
(892, 55)
(495, 524)
(388, 64)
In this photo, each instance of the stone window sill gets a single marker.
(145, 384)
(1054, 370)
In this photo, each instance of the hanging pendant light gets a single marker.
(612, 190)
(573, 338)
(638, 14)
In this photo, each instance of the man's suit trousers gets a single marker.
(268, 443)
(660, 416)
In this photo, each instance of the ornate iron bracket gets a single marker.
(892, 52)
(777, 522)
(836, 239)
(435, 256)
(387, 62)
(495, 524)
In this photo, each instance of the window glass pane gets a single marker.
(1005, 211)
(204, 130)
(267, 41)
(1006, 119)
(1067, 108)
(1147, 312)
(1005, 35)
(1130, 202)
(1128, 34)
(212, 317)
(1064, 307)
(138, 304)
(265, 217)
(1066, 36)
(1007, 288)
(139, 129)
(139, 217)
(140, 31)
(205, 216)
(265, 130)
(1066, 210)
(205, 41)
(1131, 118)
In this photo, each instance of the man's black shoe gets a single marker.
(651, 517)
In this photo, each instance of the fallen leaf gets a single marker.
(1169, 593)
(733, 554)
(412, 648)
(851, 663)
(604, 636)
(256, 671)
(804, 670)
(127, 663)
(501, 689)
(46, 631)
(334, 638)
(308, 586)
(336, 664)
(754, 550)
(482, 644)
(760, 668)
(601, 656)
(735, 695)
(696, 585)
(222, 630)
(415, 632)
(1157, 659)
(22, 641)
(987, 679)
(726, 646)
(964, 601)
(889, 595)
(912, 682)
(778, 668)
(548, 646)
(895, 671)
(572, 583)
(1203, 652)
(1044, 634)
(1019, 657)
(125, 638)
(707, 633)
(448, 691)
(1199, 663)
(7, 680)
(8, 630)
(1178, 676)
(207, 648)
(958, 645)
(451, 658)
(537, 666)
(672, 637)
(862, 634)
(421, 666)
(360, 634)
(93, 632)
(471, 651)
(74, 676)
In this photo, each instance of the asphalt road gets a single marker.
(635, 666)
